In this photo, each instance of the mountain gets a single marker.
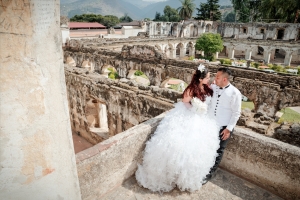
(104, 7)
(136, 9)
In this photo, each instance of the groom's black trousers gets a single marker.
(220, 151)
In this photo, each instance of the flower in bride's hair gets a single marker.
(201, 68)
(198, 106)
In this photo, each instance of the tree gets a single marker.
(126, 18)
(230, 17)
(209, 11)
(210, 43)
(243, 7)
(284, 10)
(157, 16)
(107, 20)
(203, 12)
(110, 20)
(186, 10)
(171, 14)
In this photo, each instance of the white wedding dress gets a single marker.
(180, 152)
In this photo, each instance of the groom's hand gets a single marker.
(225, 134)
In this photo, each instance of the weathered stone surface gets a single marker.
(257, 127)
(223, 186)
(289, 134)
(265, 161)
(127, 103)
(269, 92)
(36, 150)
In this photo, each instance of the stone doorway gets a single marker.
(96, 115)
(280, 34)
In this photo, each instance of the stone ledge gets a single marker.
(267, 162)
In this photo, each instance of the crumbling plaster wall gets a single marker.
(260, 87)
(128, 104)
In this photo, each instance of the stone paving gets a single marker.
(222, 187)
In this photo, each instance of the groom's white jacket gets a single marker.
(227, 107)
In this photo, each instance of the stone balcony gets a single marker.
(253, 167)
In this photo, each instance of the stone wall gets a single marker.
(127, 104)
(266, 162)
(269, 92)
(106, 165)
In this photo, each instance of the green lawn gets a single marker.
(289, 115)
(247, 104)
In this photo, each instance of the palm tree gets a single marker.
(186, 10)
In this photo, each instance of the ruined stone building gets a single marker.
(48, 94)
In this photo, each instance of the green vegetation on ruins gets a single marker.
(210, 43)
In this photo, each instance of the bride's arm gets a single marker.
(187, 99)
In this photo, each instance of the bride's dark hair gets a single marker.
(193, 88)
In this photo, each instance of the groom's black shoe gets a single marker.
(207, 178)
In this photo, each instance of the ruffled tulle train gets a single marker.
(180, 152)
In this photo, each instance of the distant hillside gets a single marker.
(136, 9)
(103, 7)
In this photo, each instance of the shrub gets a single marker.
(256, 65)
(113, 75)
(222, 61)
(191, 58)
(110, 69)
(227, 61)
(138, 73)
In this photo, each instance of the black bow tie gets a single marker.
(224, 87)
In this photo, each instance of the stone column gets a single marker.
(272, 54)
(37, 156)
(182, 52)
(173, 53)
(288, 58)
(217, 55)
(230, 52)
(267, 54)
(248, 54)
(192, 51)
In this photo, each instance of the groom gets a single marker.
(226, 108)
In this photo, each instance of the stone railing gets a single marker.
(266, 162)
(106, 165)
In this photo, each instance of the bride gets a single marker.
(184, 146)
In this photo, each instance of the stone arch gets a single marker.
(106, 69)
(70, 61)
(87, 64)
(158, 47)
(190, 49)
(96, 116)
(180, 52)
(175, 84)
(279, 54)
(208, 28)
(169, 50)
(140, 79)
